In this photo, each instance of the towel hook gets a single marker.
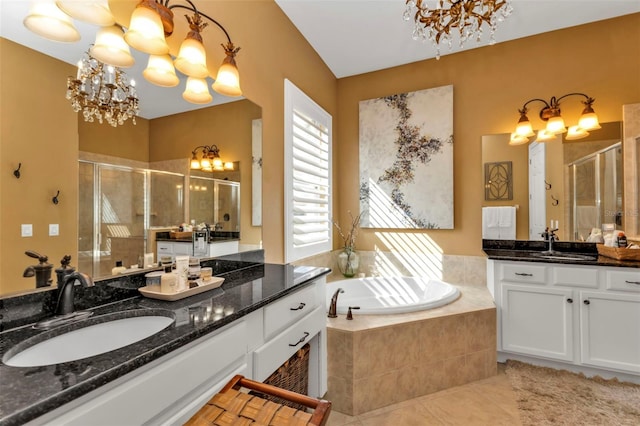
(547, 185)
(55, 199)
(555, 201)
(16, 172)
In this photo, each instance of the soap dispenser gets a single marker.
(118, 269)
(42, 271)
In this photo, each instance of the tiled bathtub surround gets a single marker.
(468, 270)
(378, 360)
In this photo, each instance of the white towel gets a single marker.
(499, 223)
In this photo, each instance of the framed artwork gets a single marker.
(406, 160)
(498, 181)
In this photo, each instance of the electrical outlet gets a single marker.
(26, 230)
(54, 229)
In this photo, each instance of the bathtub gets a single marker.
(391, 295)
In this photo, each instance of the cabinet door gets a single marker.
(610, 330)
(537, 321)
(164, 248)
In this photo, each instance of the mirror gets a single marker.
(138, 142)
(580, 186)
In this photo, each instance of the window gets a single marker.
(307, 164)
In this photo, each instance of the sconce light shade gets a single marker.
(228, 165)
(195, 163)
(555, 125)
(110, 47)
(95, 12)
(160, 71)
(47, 20)
(545, 136)
(576, 132)
(192, 58)
(228, 79)
(524, 128)
(146, 32)
(197, 92)
(589, 120)
(517, 139)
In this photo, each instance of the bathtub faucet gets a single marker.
(334, 302)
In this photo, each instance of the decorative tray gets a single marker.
(619, 253)
(153, 291)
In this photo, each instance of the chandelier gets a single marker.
(150, 24)
(102, 92)
(210, 160)
(555, 126)
(437, 24)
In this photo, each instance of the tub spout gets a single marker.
(334, 302)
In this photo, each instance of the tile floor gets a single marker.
(485, 402)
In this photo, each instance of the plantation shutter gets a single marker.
(308, 183)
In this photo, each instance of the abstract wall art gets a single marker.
(406, 160)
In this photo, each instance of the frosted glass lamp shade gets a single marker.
(555, 125)
(524, 129)
(589, 121)
(228, 79)
(192, 59)
(48, 21)
(576, 132)
(517, 139)
(546, 136)
(205, 163)
(111, 48)
(195, 163)
(197, 92)
(146, 32)
(160, 71)
(95, 12)
(228, 165)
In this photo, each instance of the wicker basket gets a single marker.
(293, 375)
(619, 253)
(180, 235)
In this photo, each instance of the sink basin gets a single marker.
(89, 340)
(564, 256)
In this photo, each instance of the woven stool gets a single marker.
(232, 407)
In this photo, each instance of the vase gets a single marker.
(348, 262)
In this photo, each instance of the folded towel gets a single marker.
(490, 217)
(506, 216)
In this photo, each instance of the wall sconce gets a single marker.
(210, 160)
(550, 113)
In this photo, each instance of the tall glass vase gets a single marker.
(348, 262)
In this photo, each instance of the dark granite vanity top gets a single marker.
(533, 251)
(29, 392)
(214, 237)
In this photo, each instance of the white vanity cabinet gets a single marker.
(172, 388)
(588, 316)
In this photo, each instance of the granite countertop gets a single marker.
(29, 392)
(530, 251)
(214, 237)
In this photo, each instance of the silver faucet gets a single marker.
(66, 291)
(334, 302)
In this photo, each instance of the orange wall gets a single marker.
(489, 85)
(39, 129)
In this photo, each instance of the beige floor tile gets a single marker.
(339, 419)
(468, 407)
(405, 415)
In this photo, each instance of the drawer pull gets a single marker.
(632, 282)
(522, 274)
(569, 300)
(300, 306)
(302, 339)
(587, 302)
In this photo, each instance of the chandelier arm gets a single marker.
(524, 107)
(194, 9)
(572, 94)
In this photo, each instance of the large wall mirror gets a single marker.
(583, 184)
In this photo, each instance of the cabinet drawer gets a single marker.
(524, 273)
(624, 280)
(284, 312)
(279, 349)
(574, 276)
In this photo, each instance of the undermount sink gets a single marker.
(85, 339)
(564, 256)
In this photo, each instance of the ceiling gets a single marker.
(351, 36)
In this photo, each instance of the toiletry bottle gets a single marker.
(168, 281)
(622, 240)
(118, 269)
